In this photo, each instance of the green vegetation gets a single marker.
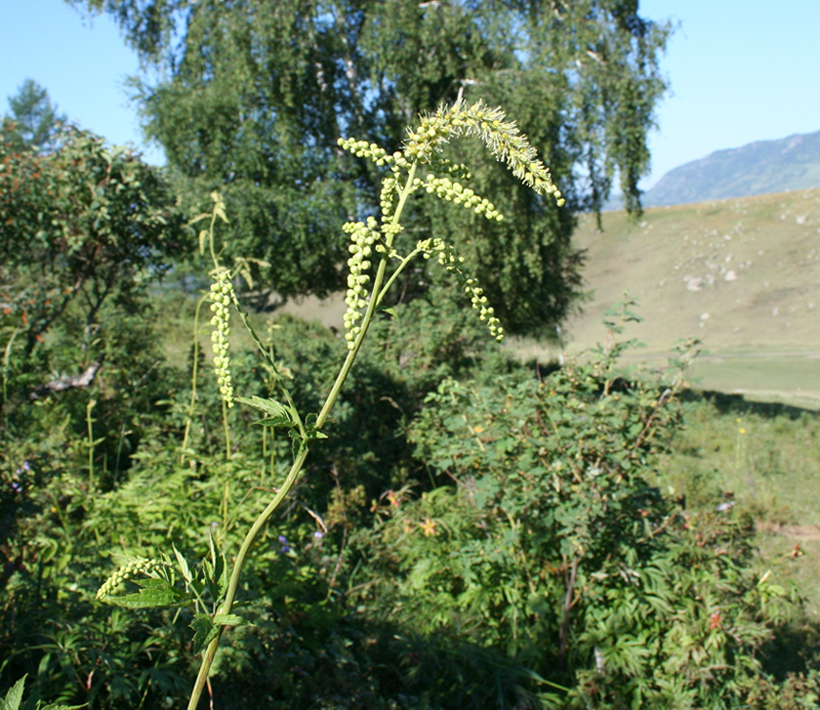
(251, 97)
(396, 514)
(466, 532)
(742, 275)
(33, 122)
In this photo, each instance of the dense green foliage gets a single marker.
(467, 531)
(80, 226)
(478, 548)
(254, 95)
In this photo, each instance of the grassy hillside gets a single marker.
(743, 275)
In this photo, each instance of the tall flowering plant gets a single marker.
(378, 255)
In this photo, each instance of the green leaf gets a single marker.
(230, 620)
(205, 631)
(278, 414)
(155, 593)
(216, 571)
(183, 565)
(14, 697)
(206, 628)
(310, 425)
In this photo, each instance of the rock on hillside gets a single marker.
(759, 168)
(740, 274)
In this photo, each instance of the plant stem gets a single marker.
(90, 422)
(301, 457)
(5, 373)
(194, 373)
(226, 429)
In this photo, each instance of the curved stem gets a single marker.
(233, 584)
(299, 461)
(194, 374)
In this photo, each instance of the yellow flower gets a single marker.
(429, 527)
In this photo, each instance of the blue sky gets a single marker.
(740, 71)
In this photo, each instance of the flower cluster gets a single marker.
(456, 193)
(371, 151)
(502, 137)
(140, 566)
(362, 236)
(222, 295)
(450, 260)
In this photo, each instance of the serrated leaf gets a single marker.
(310, 425)
(297, 442)
(14, 696)
(278, 414)
(155, 593)
(205, 631)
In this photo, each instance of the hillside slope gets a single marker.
(758, 168)
(743, 275)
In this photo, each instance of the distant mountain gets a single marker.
(759, 168)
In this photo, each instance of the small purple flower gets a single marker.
(283, 540)
(16, 487)
(285, 549)
(318, 535)
(26, 466)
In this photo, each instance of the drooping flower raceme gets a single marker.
(444, 180)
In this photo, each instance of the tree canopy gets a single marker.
(78, 224)
(33, 120)
(253, 95)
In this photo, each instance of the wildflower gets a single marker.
(139, 566)
(363, 237)
(222, 295)
(502, 137)
(428, 527)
